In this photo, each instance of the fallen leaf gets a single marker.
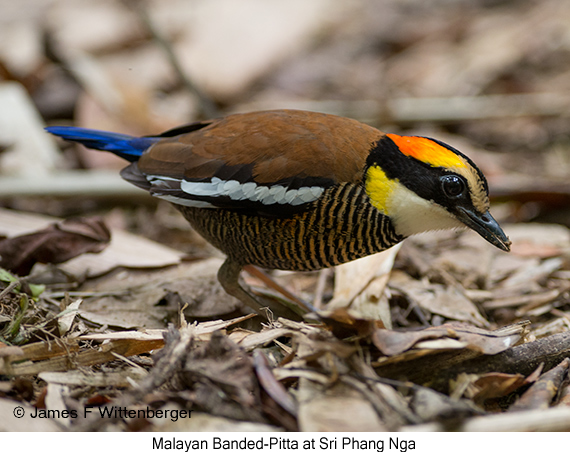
(359, 287)
(250, 340)
(65, 321)
(222, 380)
(271, 385)
(132, 298)
(118, 378)
(55, 400)
(449, 302)
(430, 405)
(343, 323)
(494, 385)
(32, 151)
(463, 335)
(202, 331)
(125, 249)
(539, 240)
(57, 243)
(335, 408)
(541, 394)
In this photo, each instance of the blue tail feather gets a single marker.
(128, 147)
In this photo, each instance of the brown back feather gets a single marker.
(277, 145)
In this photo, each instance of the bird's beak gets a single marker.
(486, 226)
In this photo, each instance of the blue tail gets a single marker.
(125, 146)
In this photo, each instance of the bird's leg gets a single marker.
(266, 279)
(228, 275)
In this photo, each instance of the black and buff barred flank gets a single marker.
(341, 226)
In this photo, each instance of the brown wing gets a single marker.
(296, 150)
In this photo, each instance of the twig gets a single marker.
(522, 359)
(541, 394)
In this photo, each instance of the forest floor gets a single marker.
(109, 300)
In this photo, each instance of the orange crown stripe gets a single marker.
(427, 151)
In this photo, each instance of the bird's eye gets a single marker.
(453, 186)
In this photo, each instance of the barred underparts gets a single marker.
(339, 227)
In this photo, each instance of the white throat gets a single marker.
(412, 214)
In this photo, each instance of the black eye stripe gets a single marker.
(424, 180)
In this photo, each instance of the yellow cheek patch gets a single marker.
(427, 151)
(379, 188)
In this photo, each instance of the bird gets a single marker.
(300, 190)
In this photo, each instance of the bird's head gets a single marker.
(423, 184)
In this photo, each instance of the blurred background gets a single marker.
(491, 77)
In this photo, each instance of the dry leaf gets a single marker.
(222, 380)
(335, 408)
(430, 405)
(130, 298)
(121, 378)
(250, 340)
(57, 243)
(360, 284)
(213, 53)
(463, 336)
(271, 385)
(201, 331)
(539, 240)
(494, 385)
(447, 301)
(55, 355)
(55, 400)
(344, 324)
(65, 321)
(32, 152)
(125, 249)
